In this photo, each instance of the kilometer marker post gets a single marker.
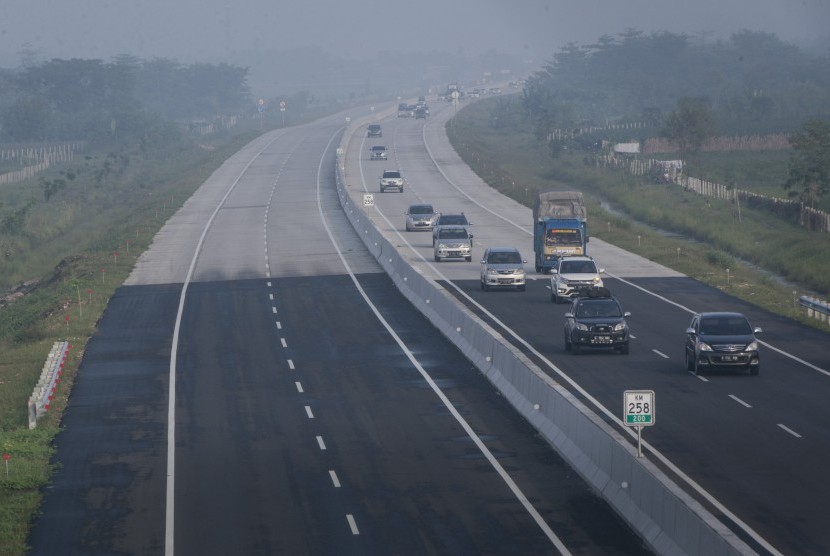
(638, 407)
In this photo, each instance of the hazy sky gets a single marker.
(217, 30)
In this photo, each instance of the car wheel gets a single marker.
(485, 287)
(437, 258)
(469, 259)
(567, 341)
(552, 297)
(754, 370)
(575, 348)
(624, 349)
(690, 367)
(521, 288)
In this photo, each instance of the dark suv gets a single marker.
(723, 340)
(596, 320)
(374, 130)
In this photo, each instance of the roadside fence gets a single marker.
(816, 308)
(50, 376)
(44, 155)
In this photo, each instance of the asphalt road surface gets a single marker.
(312, 409)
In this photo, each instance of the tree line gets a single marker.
(123, 100)
(687, 91)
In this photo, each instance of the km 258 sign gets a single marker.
(639, 408)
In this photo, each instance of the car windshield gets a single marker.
(578, 267)
(391, 174)
(725, 326)
(504, 257)
(604, 308)
(420, 209)
(453, 233)
(454, 219)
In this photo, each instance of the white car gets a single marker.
(391, 179)
(502, 267)
(573, 274)
(420, 217)
(453, 242)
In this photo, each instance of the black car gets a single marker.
(374, 130)
(722, 340)
(596, 320)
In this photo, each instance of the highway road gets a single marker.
(753, 450)
(258, 386)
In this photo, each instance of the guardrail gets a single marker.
(816, 308)
(668, 519)
(50, 376)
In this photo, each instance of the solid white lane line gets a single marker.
(352, 524)
(739, 400)
(334, 480)
(320, 443)
(663, 355)
(299, 387)
(789, 430)
(308, 412)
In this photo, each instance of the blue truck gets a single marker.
(560, 227)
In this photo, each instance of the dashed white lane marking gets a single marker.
(308, 412)
(320, 443)
(789, 430)
(291, 364)
(699, 377)
(299, 387)
(334, 480)
(268, 284)
(274, 310)
(352, 524)
(739, 400)
(279, 325)
(271, 296)
(661, 354)
(283, 342)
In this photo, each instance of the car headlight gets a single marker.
(520, 271)
(492, 271)
(580, 326)
(597, 280)
(753, 346)
(442, 246)
(703, 346)
(619, 326)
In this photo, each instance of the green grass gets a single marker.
(705, 236)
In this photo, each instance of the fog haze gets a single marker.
(237, 31)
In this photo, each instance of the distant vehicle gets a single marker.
(453, 242)
(502, 267)
(374, 130)
(449, 219)
(420, 217)
(421, 113)
(722, 340)
(378, 152)
(391, 179)
(405, 111)
(495, 91)
(573, 274)
(596, 320)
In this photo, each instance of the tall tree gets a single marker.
(689, 125)
(809, 166)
